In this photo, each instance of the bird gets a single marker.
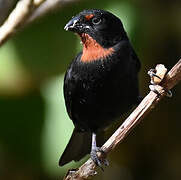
(100, 84)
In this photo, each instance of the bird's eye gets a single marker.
(96, 21)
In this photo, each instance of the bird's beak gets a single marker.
(73, 25)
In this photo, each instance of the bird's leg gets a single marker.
(93, 154)
(94, 150)
(156, 79)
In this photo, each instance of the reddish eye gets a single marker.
(96, 20)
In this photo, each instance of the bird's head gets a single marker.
(102, 26)
(99, 31)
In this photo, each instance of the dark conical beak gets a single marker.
(73, 25)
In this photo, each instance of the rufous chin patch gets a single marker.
(92, 50)
(89, 16)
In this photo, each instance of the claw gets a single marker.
(157, 76)
(168, 93)
(106, 162)
(152, 74)
(95, 158)
(98, 161)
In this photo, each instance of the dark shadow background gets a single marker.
(34, 126)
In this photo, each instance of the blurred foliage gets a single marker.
(35, 127)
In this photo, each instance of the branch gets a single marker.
(16, 19)
(25, 12)
(5, 8)
(87, 170)
(46, 7)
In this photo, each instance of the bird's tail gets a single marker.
(79, 145)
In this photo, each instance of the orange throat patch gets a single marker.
(92, 50)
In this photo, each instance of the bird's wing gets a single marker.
(68, 93)
(70, 86)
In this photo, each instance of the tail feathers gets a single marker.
(79, 145)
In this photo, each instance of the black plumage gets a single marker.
(101, 83)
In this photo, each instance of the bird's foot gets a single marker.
(97, 160)
(157, 76)
(157, 89)
(153, 75)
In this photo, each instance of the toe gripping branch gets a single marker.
(94, 150)
(157, 75)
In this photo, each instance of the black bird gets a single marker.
(101, 83)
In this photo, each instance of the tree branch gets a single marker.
(87, 170)
(24, 13)
(5, 8)
(16, 19)
(47, 7)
